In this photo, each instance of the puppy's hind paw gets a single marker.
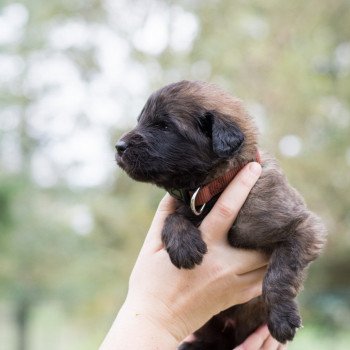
(187, 252)
(284, 326)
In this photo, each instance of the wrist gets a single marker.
(136, 329)
(157, 314)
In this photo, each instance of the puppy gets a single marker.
(191, 139)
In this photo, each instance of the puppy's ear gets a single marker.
(226, 136)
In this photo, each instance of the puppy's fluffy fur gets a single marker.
(188, 134)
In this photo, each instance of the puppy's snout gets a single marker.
(121, 146)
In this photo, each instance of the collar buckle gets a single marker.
(193, 203)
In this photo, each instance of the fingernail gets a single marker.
(255, 168)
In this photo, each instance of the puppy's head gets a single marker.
(187, 134)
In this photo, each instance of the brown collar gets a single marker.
(207, 192)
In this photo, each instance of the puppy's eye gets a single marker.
(161, 125)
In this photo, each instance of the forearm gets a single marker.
(134, 330)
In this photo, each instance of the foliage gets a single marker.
(75, 74)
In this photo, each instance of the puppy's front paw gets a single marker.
(187, 250)
(283, 323)
(183, 242)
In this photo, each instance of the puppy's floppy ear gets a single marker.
(227, 138)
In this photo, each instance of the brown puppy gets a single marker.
(188, 135)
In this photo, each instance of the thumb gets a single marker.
(166, 206)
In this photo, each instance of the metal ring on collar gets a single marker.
(193, 203)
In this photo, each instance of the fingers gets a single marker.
(239, 261)
(252, 277)
(221, 216)
(250, 286)
(261, 339)
(190, 338)
(272, 344)
(246, 260)
(166, 206)
(220, 219)
(256, 340)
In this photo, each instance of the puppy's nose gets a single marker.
(121, 146)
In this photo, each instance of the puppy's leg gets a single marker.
(183, 242)
(281, 285)
(282, 281)
(285, 275)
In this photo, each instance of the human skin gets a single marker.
(165, 304)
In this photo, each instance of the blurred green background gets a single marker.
(75, 74)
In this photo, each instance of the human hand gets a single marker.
(170, 303)
(261, 339)
(186, 299)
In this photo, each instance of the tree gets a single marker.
(74, 75)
